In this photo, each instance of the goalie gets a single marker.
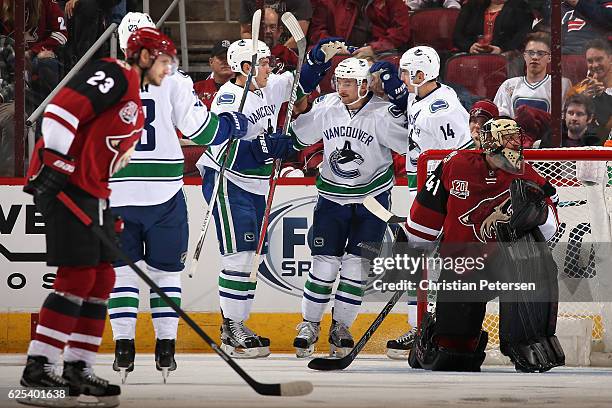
(490, 197)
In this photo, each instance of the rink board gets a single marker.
(26, 280)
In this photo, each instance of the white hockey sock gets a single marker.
(123, 303)
(165, 320)
(349, 294)
(318, 286)
(412, 314)
(236, 292)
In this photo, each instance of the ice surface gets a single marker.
(204, 380)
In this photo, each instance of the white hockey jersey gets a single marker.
(261, 108)
(155, 172)
(437, 121)
(516, 91)
(356, 147)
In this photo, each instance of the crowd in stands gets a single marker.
(496, 51)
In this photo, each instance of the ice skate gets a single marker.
(340, 340)
(238, 341)
(264, 343)
(39, 373)
(82, 380)
(164, 357)
(308, 335)
(399, 348)
(125, 353)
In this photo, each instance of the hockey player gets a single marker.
(359, 131)
(436, 120)
(148, 196)
(533, 89)
(89, 131)
(490, 197)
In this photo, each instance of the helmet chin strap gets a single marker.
(359, 96)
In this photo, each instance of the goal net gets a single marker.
(581, 249)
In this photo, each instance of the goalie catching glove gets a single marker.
(53, 175)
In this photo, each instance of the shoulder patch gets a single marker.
(319, 99)
(438, 104)
(395, 111)
(226, 99)
(129, 113)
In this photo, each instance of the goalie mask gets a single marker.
(240, 52)
(357, 69)
(421, 58)
(501, 139)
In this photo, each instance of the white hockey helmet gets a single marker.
(421, 58)
(502, 140)
(240, 51)
(130, 23)
(354, 68)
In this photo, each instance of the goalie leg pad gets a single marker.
(535, 356)
(446, 353)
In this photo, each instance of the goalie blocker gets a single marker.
(490, 197)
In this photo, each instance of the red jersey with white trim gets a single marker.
(96, 118)
(465, 199)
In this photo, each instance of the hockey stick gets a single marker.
(294, 28)
(328, 364)
(288, 389)
(213, 198)
(381, 212)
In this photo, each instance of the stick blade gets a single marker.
(296, 388)
(376, 208)
(293, 26)
(329, 364)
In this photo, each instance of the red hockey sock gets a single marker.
(87, 334)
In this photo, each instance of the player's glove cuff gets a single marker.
(233, 124)
(53, 175)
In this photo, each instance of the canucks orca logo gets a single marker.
(341, 157)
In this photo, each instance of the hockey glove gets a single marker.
(529, 208)
(318, 62)
(53, 175)
(233, 124)
(273, 146)
(394, 87)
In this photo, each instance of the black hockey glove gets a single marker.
(273, 146)
(52, 176)
(529, 209)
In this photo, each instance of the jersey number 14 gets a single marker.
(448, 132)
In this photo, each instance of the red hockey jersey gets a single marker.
(96, 118)
(465, 199)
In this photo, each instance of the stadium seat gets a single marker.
(574, 67)
(433, 27)
(481, 74)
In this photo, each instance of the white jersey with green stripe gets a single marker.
(436, 121)
(155, 172)
(357, 146)
(261, 109)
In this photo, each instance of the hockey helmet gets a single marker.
(241, 51)
(501, 139)
(154, 41)
(354, 68)
(130, 23)
(421, 58)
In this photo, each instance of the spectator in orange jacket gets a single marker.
(376, 27)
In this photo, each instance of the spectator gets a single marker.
(302, 10)
(7, 107)
(422, 4)
(378, 27)
(598, 85)
(533, 89)
(481, 112)
(88, 20)
(583, 21)
(221, 73)
(45, 33)
(272, 31)
(492, 26)
(578, 116)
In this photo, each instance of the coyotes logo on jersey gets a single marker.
(488, 212)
